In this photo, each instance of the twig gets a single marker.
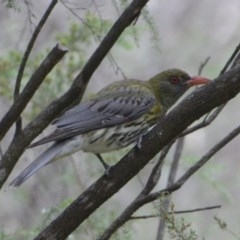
(98, 39)
(175, 162)
(53, 57)
(30, 14)
(206, 121)
(157, 169)
(26, 56)
(156, 172)
(203, 65)
(177, 212)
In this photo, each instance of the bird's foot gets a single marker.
(105, 165)
(139, 141)
(107, 171)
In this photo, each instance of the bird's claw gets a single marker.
(107, 171)
(139, 141)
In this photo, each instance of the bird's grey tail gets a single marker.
(45, 158)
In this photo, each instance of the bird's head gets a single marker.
(170, 85)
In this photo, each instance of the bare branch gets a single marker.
(177, 212)
(26, 55)
(178, 184)
(156, 172)
(53, 57)
(175, 162)
(203, 65)
(210, 117)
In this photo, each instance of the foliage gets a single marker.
(177, 227)
(9, 3)
(224, 226)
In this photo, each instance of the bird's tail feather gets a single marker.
(45, 158)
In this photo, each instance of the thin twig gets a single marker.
(156, 172)
(30, 14)
(98, 39)
(177, 212)
(203, 65)
(206, 121)
(26, 56)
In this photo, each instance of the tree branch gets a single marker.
(177, 212)
(74, 94)
(50, 61)
(179, 183)
(232, 62)
(26, 55)
(190, 109)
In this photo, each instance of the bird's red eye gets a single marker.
(174, 80)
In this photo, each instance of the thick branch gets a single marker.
(75, 92)
(193, 107)
(53, 57)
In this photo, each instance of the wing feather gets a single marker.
(113, 108)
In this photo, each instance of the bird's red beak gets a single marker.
(197, 80)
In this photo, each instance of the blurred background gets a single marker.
(169, 34)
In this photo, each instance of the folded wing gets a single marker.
(105, 110)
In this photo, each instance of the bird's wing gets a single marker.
(104, 111)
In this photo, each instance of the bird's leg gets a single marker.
(139, 141)
(105, 165)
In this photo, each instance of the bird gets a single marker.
(117, 116)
